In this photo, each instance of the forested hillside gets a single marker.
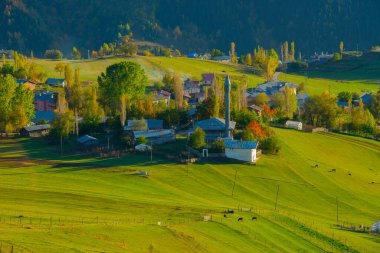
(191, 25)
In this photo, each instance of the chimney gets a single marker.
(227, 91)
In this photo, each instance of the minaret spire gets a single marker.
(227, 92)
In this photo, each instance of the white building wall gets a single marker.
(247, 155)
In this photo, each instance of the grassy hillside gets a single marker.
(78, 203)
(156, 67)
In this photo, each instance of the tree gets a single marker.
(60, 68)
(3, 59)
(341, 48)
(75, 54)
(290, 101)
(216, 53)
(92, 111)
(320, 110)
(344, 96)
(197, 138)
(292, 51)
(286, 51)
(248, 59)
(16, 104)
(178, 91)
(37, 72)
(233, 53)
(177, 32)
(129, 49)
(261, 99)
(7, 69)
(122, 83)
(68, 75)
(54, 54)
(141, 140)
(31, 55)
(75, 98)
(336, 57)
(271, 64)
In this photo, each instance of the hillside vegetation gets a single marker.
(190, 25)
(77, 203)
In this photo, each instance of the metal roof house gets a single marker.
(35, 131)
(293, 124)
(301, 99)
(271, 88)
(155, 136)
(241, 150)
(214, 128)
(55, 82)
(151, 124)
(366, 98)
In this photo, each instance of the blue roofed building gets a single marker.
(301, 99)
(215, 128)
(366, 98)
(144, 124)
(245, 151)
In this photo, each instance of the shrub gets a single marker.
(218, 145)
(270, 146)
(197, 138)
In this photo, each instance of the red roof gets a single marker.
(208, 77)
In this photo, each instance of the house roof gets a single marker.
(214, 124)
(86, 138)
(165, 93)
(222, 58)
(45, 96)
(55, 81)
(208, 77)
(342, 104)
(256, 108)
(235, 144)
(36, 128)
(151, 123)
(366, 98)
(153, 133)
(43, 115)
(21, 81)
(273, 87)
(303, 96)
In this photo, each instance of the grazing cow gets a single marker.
(254, 218)
(349, 174)
(240, 219)
(225, 216)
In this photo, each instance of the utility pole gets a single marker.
(233, 188)
(278, 189)
(61, 146)
(151, 152)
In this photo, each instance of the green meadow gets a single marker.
(79, 203)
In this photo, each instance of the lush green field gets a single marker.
(76, 203)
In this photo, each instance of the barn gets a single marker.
(241, 150)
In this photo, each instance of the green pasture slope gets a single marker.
(77, 203)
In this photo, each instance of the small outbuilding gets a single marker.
(88, 141)
(293, 124)
(35, 131)
(241, 150)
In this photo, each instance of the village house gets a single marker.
(208, 79)
(56, 82)
(257, 109)
(215, 128)
(241, 150)
(161, 96)
(192, 88)
(27, 83)
(88, 141)
(35, 131)
(44, 105)
(154, 137)
(271, 88)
